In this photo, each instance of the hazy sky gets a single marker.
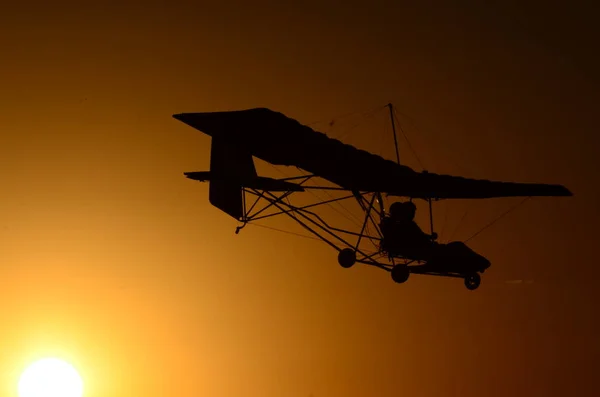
(112, 259)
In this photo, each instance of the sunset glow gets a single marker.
(50, 377)
(115, 261)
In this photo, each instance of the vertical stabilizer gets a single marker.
(230, 167)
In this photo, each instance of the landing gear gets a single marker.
(347, 258)
(400, 273)
(472, 281)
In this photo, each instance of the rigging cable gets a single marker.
(498, 218)
(467, 210)
(351, 218)
(406, 139)
(330, 121)
(349, 215)
(284, 231)
(426, 135)
(365, 115)
(412, 121)
(459, 223)
(421, 164)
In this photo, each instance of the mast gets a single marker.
(394, 130)
(390, 106)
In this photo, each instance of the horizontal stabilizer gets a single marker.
(258, 182)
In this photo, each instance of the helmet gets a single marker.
(400, 210)
(396, 208)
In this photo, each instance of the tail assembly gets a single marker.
(231, 170)
(230, 167)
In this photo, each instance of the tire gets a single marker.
(347, 258)
(472, 281)
(400, 273)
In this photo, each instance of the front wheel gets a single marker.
(472, 281)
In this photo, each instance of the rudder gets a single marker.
(230, 166)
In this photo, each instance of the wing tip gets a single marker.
(179, 116)
(563, 191)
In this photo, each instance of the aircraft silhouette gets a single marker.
(238, 136)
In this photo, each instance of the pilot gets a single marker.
(402, 234)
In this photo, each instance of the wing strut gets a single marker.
(430, 215)
(394, 130)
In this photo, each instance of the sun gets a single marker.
(50, 377)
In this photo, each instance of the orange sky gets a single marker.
(112, 259)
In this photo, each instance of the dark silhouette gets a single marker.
(238, 136)
(403, 238)
(402, 235)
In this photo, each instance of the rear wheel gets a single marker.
(472, 281)
(400, 273)
(347, 258)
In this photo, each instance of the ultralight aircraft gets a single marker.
(238, 136)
